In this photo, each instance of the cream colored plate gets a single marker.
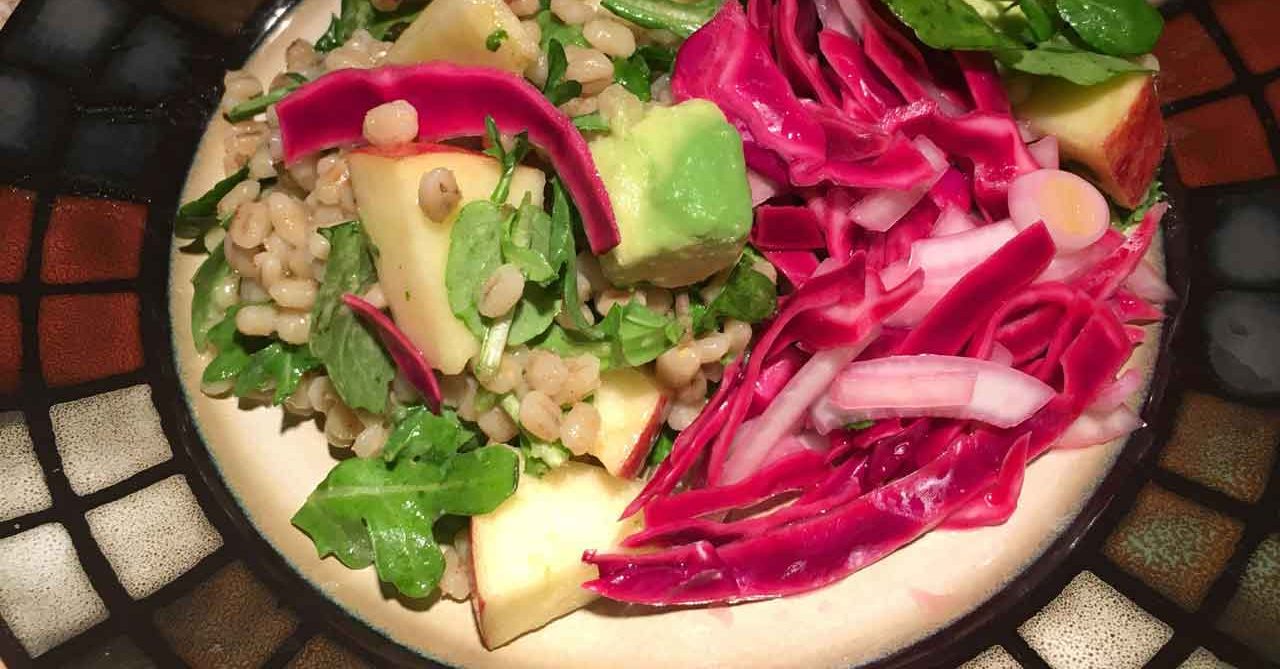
(883, 608)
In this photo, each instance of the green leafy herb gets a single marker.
(259, 104)
(534, 314)
(573, 343)
(475, 251)
(509, 158)
(747, 296)
(541, 457)
(234, 350)
(638, 335)
(374, 511)
(558, 89)
(1060, 58)
(592, 122)
(279, 366)
(526, 243)
(563, 215)
(1155, 195)
(662, 448)
(357, 14)
(1114, 27)
(858, 426)
(495, 39)
(205, 314)
(553, 29)
(419, 433)
(661, 59)
(950, 24)
(196, 217)
(1039, 19)
(633, 74)
(680, 18)
(359, 367)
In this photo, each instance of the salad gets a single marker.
(681, 302)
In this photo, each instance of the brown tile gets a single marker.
(17, 207)
(1253, 614)
(231, 620)
(1251, 25)
(224, 16)
(1225, 446)
(89, 337)
(115, 653)
(93, 240)
(10, 345)
(1174, 545)
(1190, 63)
(1221, 142)
(321, 652)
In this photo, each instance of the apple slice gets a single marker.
(1114, 129)
(462, 32)
(413, 249)
(630, 403)
(527, 554)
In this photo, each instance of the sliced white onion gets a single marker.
(1119, 392)
(1045, 151)
(882, 209)
(1001, 396)
(762, 187)
(959, 253)
(1001, 355)
(953, 220)
(1148, 283)
(1075, 211)
(1093, 428)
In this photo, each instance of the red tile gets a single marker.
(1251, 25)
(1272, 92)
(17, 207)
(1190, 63)
(10, 345)
(1221, 142)
(89, 337)
(92, 240)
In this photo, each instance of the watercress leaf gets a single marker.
(660, 59)
(279, 366)
(639, 335)
(1039, 19)
(1114, 27)
(199, 215)
(358, 365)
(571, 344)
(259, 104)
(475, 251)
(1059, 58)
(234, 350)
(681, 18)
(534, 314)
(205, 313)
(633, 74)
(367, 511)
(950, 24)
(592, 122)
(495, 39)
(747, 296)
(527, 244)
(357, 14)
(557, 89)
(420, 433)
(553, 29)
(560, 247)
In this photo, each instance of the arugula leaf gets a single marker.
(1060, 58)
(747, 296)
(660, 59)
(1039, 19)
(1114, 27)
(205, 314)
(199, 215)
(419, 433)
(526, 243)
(475, 251)
(359, 367)
(357, 14)
(279, 366)
(259, 104)
(950, 24)
(534, 314)
(633, 74)
(495, 39)
(592, 122)
(510, 159)
(368, 511)
(661, 449)
(638, 335)
(558, 90)
(553, 29)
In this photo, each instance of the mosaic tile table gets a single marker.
(120, 548)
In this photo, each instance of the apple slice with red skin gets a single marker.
(632, 406)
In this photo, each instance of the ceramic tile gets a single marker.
(1226, 446)
(17, 207)
(67, 37)
(1251, 26)
(230, 620)
(32, 113)
(1091, 625)
(10, 345)
(22, 486)
(1220, 142)
(88, 337)
(93, 240)
(1253, 614)
(111, 152)
(225, 17)
(994, 657)
(1246, 241)
(322, 652)
(95, 452)
(1240, 332)
(1202, 659)
(154, 535)
(115, 653)
(1190, 63)
(149, 65)
(45, 596)
(1173, 545)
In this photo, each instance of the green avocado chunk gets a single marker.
(678, 184)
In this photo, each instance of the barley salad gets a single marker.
(517, 258)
